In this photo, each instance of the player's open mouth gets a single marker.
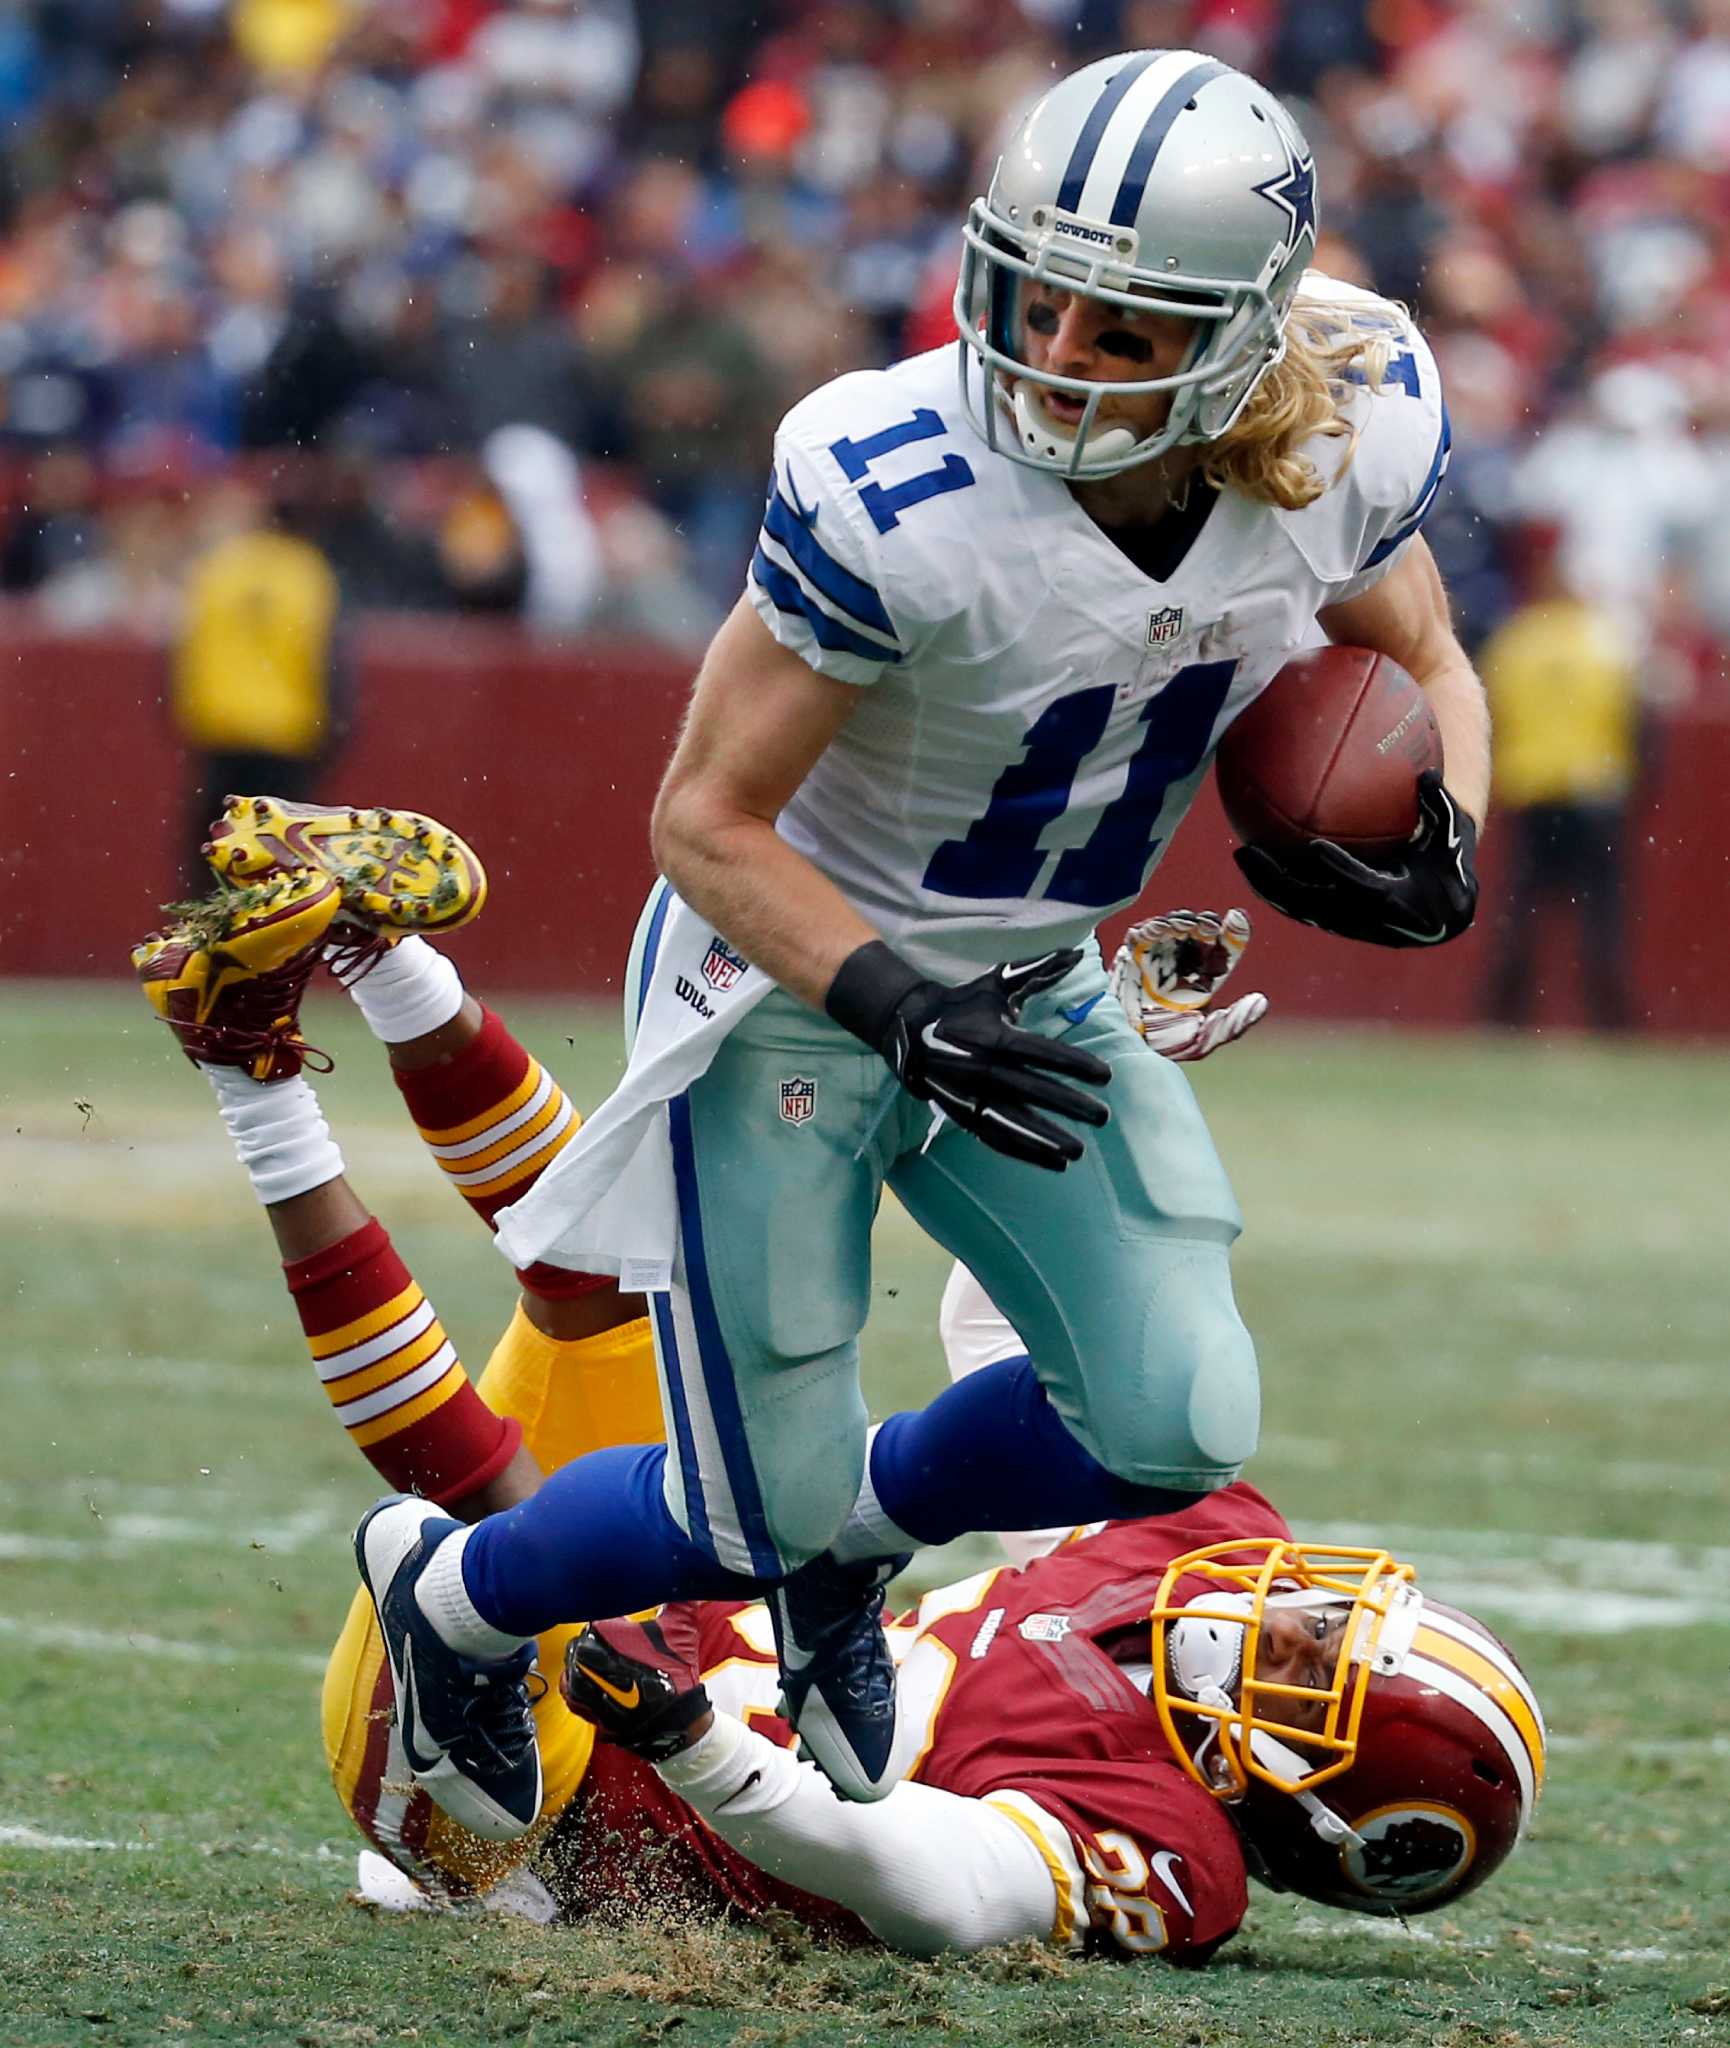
(1063, 407)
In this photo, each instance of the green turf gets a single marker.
(1488, 1282)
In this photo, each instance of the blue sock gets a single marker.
(596, 1540)
(992, 1453)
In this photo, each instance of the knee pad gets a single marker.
(1186, 1411)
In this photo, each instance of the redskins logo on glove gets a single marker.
(1170, 968)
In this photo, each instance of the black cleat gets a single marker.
(837, 1676)
(465, 1722)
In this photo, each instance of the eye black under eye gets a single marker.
(1118, 341)
(1042, 318)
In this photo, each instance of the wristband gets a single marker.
(869, 987)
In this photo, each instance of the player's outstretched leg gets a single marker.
(227, 978)
(465, 1720)
(492, 1117)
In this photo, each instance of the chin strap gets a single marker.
(1041, 435)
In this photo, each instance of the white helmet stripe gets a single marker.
(1087, 142)
(1427, 1671)
(1096, 194)
(1141, 158)
(1492, 1652)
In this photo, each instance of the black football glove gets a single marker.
(964, 1049)
(1423, 895)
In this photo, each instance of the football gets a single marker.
(1331, 749)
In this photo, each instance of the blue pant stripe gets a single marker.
(696, 1508)
(652, 947)
(717, 1367)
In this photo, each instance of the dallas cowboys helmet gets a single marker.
(1161, 181)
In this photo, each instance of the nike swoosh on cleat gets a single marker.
(408, 1717)
(627, 1700)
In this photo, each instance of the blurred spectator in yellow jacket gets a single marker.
(258, 671)
(1564, 689)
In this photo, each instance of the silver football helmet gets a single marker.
(1161, 181)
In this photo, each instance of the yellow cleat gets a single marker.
(227, 977)
(398, 872)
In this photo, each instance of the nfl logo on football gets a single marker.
(1164, 627)
(721, 965)
(798, 1100)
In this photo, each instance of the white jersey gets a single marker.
(1037, 712)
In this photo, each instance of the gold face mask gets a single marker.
(1265, 1678)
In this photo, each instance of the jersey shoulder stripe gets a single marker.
(789, 596)
(1383, 477)
(1419, 511)
(794, 529)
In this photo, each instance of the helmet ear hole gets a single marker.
(1486, 1771)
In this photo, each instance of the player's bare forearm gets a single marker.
(783, 914)
(759, 719)
(1406, 617)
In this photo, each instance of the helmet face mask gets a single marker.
(1157, 182)
(1389, 1772)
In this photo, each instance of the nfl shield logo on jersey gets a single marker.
(798, 1100)
(1164, 627)
(721, 965)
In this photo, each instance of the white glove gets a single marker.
(1169, 969)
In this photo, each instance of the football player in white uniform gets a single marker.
(1007, 598)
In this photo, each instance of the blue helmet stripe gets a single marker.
(1152, 137)
(1088, 141)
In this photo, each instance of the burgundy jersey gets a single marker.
(1026, 1689)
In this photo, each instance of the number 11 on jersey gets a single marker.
(1000, 855)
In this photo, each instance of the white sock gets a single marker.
(412, 990)
(868, 1531)
(443, 1598)
(279, 1132)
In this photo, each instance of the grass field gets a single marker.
(1490, 1285)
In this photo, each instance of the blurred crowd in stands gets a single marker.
(497, 301)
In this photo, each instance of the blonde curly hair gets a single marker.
(1309, 391)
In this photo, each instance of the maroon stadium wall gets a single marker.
(548, 756)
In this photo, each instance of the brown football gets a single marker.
(1331, 749)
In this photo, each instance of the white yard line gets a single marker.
(123, 1535)
(1578, 1470)
(175, 1375)
(1346, 1926)
(21, 1835)
(115, 1642)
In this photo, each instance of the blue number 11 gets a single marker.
(1000, 855)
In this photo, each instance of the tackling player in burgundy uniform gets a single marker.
(1085, 1775)
(1095, 1748)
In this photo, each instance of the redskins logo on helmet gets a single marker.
(1381, 1752)
(1160, 181)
